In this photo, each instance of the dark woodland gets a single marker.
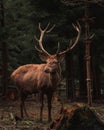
(52, 62)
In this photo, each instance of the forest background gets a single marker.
(19, 22)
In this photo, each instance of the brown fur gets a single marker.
(43, 78)
(32, 78)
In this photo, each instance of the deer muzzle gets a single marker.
(49, 70)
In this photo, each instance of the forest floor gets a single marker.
(10, 109)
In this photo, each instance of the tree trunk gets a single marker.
(96, 82)
(69, 76)
(96, 76)
(87, 54)
(3, 51)
(82, 73)
(77, 117)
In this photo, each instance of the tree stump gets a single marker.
(77, 117)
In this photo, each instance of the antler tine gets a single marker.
(68, 49)
(40, 28)
(58, 48)
(38, 49)
(47, 27)
(51, 29)
(78, 29)
(36, 38)
(43, 31)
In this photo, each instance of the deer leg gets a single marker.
(25, 111)
(22, 105)
(42, 105)
(49, 98)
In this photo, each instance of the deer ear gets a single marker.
(60, 57)
(43, 57)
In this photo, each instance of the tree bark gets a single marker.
(88, 56)
(82, 73)
(3, 51)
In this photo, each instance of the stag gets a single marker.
(41, 78)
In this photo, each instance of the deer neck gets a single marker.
(56, 77)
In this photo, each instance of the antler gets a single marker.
(43, 31)
(58, 49)
(78, 29)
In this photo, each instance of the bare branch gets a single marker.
(92, 36)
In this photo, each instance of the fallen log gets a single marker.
(77, 117)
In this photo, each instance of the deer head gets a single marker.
(53, 61)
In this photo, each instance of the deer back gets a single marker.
(32, 77)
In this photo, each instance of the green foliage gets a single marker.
(22, 18)
(19, 31)
(21, 23)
